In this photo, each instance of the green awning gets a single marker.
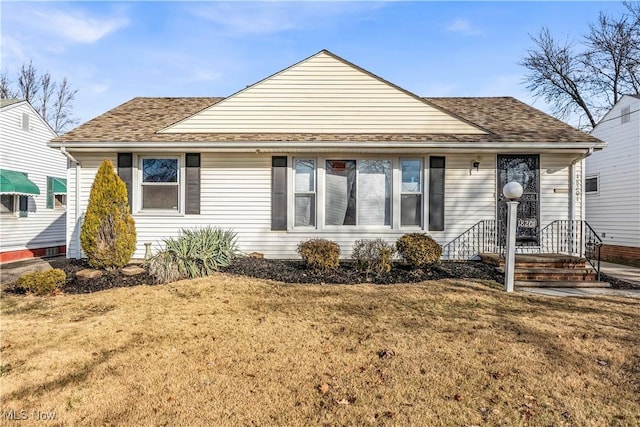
(12, 182)
(59, 186)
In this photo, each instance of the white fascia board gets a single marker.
(319, 146)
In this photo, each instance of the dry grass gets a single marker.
(232, 351)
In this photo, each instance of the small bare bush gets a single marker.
(373, 255)
(42, 282)
(418, 249)
(320, 254)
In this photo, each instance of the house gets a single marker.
(327, 149)
(32, 185)
(612, 188)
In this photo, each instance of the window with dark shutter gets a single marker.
(125, 172)
(436, 193)
(279, 193)
(50, 197)
(192, 188)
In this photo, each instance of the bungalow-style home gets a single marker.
(32, 185)
(612, 187)
(326, 149)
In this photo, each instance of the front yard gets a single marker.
(227, 350)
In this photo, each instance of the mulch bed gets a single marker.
(294, 271)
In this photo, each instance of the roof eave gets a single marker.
(319, 146)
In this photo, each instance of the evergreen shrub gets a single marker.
(108, 234)
(42, 282)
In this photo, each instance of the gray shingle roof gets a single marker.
(505, 118)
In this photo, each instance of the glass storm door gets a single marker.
(524, 169)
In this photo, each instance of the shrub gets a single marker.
(418, 249)
(42, 282)
(195, 253)
(320, 254)
(373, 255)
(108, 234)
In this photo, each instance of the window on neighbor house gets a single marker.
(305, 192)
(8, 203)
(357, 192)
(160, 183)
(625, 115)
(60, 201)
(591, 184)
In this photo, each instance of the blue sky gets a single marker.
(114, 51)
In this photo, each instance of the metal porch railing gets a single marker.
(570, 237)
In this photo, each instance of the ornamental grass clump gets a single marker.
(418, 249)
(373, 255)
(108, 234)
(195, 253)
(320, 254)
(42, 282)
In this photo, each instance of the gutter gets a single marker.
(78, 168)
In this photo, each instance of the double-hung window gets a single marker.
(160, 183)
(305, 192)
(411, 193)
(357, 192)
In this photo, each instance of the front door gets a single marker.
(524, 169)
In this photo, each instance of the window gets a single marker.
(305, 192)
(591, 184)
(160, 183)
(358, 192)
(625, 115)
(8, 204)
(411, 193)
(60, 201)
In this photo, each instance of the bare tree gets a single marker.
(52, 100)
(587, 79)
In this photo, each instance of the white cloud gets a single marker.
(251, 18)
(462, 26)
(99, 88)
(76, 26)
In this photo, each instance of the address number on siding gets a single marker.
(527, 222)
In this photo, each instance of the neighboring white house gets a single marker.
(326, 149)
(613, 181)
(32, 185)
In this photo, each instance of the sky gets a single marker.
(114, 51)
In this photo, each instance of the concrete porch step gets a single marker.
(559, 284)
(559, 274)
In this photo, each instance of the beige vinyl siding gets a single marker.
(236, 194)
(322, 95)
(614, 212)
(27, 151)
(555, 182)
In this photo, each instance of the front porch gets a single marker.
(565, 253)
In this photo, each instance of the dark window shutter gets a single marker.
(279, 193)
(436, 193)
(192, 187)
(125, 172)
(49, 192)
(23, 206)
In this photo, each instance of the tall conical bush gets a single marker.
(108, 234)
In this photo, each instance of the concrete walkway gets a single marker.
(622, 272)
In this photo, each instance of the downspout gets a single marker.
(68, 155)
(573, 186)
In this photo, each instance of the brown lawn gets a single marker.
(232, 351)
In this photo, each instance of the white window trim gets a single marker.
(597, 178)
(422, 192)
(396, 193)
(293, 194)
(136, 185)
